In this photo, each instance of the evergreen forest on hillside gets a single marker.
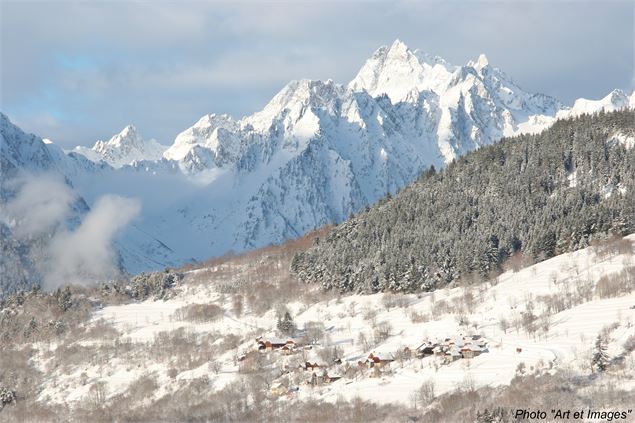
(526, 198)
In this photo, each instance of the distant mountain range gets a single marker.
(317, 152)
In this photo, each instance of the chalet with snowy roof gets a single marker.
(311, 365)
(424, 350)
(452, 355)
(324, 376)
(270, 344)
(379, 359)
(470, 351)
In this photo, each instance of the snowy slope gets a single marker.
(316, 152)
(565, 344)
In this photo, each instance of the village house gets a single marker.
(454, 348)
(470, 351)
(379, 359)
(324, 376)
(439, 350)
(452, 355)
(287, 348)
(424, 350)
(332, 377)
(311, 365)
(271, 344)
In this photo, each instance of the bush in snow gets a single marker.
(7, 396)
(64, 300)
(97, 395)
(426, 390)
(497, 415)
(616, 284)
(629, 344)
(382, 332)
(237, 304)
(313, 332)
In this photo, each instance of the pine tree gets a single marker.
(64, 298)
(600, 359)
(286, 324)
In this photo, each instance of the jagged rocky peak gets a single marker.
(480, 63)
(303, 92)
(208, 123)
(127, 139)
(294, 102)
(208, 132)
(397, 70)
(123, 148)
(618, 98)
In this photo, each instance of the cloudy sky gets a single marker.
(77, 71)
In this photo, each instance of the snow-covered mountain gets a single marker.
(615, 100)
(317, 152)
(124, 148)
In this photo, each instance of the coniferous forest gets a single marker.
(526, 198)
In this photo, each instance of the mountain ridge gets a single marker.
(317, 152)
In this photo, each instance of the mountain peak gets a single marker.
(296, 96)
(127, 135)
(129, 129)
(213, 120)
(617, 96)
(398, 46)
(479, 63)
(397, 70)
(615, 100)
(482, 61)
(123, 148)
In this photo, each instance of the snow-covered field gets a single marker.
(559, 340)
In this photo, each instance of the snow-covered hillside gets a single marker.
(538, 320)
(316, 152)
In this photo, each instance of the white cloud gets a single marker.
(40, 205)
(86, 255)
(81, 255)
